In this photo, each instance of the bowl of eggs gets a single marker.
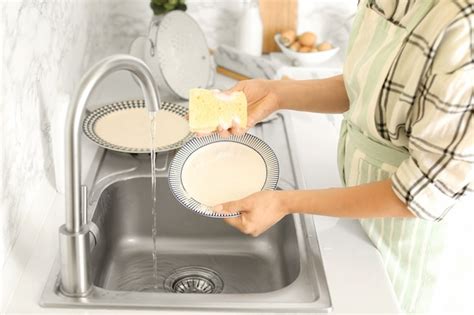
(304, 49)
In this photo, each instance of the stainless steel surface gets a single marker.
(84, 203)
(194, 279)
(74, 250)
(279, 271)
(123, 259)
(74, 236)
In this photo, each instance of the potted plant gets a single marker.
(160, 7)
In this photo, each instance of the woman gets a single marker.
(406, 150)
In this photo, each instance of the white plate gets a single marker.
(212, 170)
(125, 127)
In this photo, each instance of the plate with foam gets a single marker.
(212, 170)
(126, 127)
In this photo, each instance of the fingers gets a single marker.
(241, 224)
(237, 87)
(202, 134)
(250, 123)
(258, 112)
(235, 222)
(224, 133)
(236, 129)
(229, 207)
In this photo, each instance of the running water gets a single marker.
(154, 229)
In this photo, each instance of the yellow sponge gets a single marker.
(210, 108)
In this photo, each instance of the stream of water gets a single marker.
(154, 229)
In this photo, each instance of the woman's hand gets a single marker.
(258, 212)
(261, 99)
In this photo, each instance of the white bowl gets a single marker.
(306, 58)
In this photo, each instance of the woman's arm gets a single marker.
(267, 96)
(322, 96)
(263, 209)
(373, 200)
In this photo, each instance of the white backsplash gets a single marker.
(47, 46)
(330, 19)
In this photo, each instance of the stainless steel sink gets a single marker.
(203, 264)
(123, 257)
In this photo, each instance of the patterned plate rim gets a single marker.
(92, 118)
(174, 174)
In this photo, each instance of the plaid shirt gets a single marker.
(426, 106)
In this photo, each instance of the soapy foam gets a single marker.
(226, 97)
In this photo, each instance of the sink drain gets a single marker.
(194, 279)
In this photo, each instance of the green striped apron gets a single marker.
(414, 251)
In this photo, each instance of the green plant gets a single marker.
(163, 6)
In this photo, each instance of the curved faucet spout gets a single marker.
(74, 234)
(74, 219)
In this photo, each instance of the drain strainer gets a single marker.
(194, 279)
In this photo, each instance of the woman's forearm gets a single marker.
(374, 200)
(323, 96)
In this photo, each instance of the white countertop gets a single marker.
(355, 273)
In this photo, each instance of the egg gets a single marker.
(304, 49)
(324, 46)
(295, 46)
(307, 39)
(288, 37)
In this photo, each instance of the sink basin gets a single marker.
(123, 257)
(203, 264)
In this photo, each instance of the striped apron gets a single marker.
(426, 261)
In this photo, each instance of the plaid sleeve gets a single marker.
(440, 168)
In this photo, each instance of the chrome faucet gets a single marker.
(74, 234)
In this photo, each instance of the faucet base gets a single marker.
(74, 256)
